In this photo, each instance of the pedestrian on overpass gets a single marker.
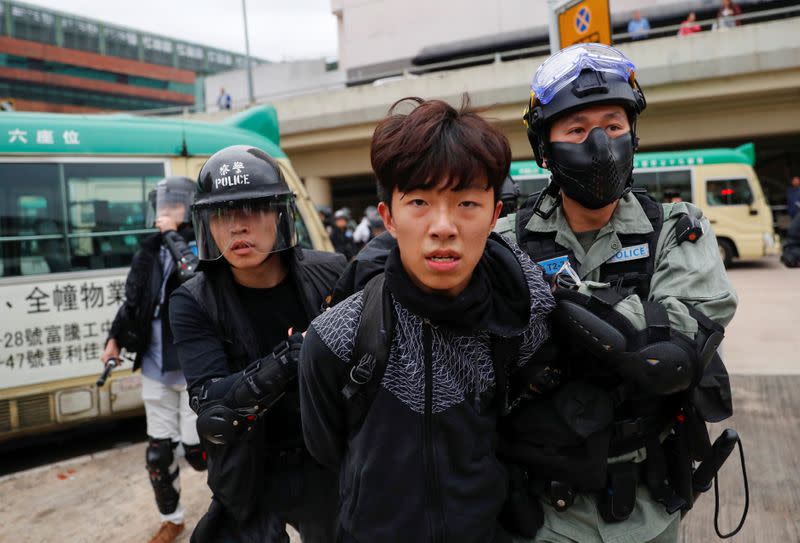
(164, 261)
(401, 383)
(237, 327)
(642, 301)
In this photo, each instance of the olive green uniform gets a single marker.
(686, 274)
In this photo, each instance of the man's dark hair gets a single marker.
(436, 144)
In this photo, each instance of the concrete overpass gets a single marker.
(708, 87)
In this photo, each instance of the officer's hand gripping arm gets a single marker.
(185, 259)
(658, 360)
(228, 406)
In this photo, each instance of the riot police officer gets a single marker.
(237, 329)
(164, 261)
(611, 423)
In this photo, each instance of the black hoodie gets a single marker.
(422, 465)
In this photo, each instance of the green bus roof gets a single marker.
(124, 134)
(744, 154)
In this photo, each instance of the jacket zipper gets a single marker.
(431, 477)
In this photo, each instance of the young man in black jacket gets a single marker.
(165, 260)
(412, 430)
(233, 326)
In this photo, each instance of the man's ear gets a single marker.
(497, 208)
(388, 220)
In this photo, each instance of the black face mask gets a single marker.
(596, 172)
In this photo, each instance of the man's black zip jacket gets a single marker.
(219, 332)
(142, 289)
(422, 465)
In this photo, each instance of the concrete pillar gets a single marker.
(319, 189)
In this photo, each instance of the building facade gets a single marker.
(53, 61)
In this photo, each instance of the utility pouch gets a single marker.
(522, 513)
(616, 503)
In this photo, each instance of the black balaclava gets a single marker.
(596, 172)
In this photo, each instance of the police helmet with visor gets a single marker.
(579, 76)
(242, 199)
(598, 170)
(172, 197)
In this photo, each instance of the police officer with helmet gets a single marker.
(607, 431)
(237, 328)
(165, 260)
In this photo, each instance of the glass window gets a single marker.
(33, 24)
(32, 229)
(157, 50)
(79, 34)
(728, 192)
(121, 43)
(106, 211)
(666, 186)
(531, 186)
(303, 237)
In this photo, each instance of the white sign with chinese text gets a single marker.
(56, 329)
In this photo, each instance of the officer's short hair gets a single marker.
(435, 143)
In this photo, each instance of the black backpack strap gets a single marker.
(370, 353)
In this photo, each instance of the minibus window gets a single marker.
(531, 186)
(665, 186)
(32, 234)
(303, 237)
(728, 192)
(107, 210)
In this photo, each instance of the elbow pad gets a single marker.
(185, 260)
(658, 360)
(265, 381)
(245, 395)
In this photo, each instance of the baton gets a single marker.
(110, 365)
(711, 464)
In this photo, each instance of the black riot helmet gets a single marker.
(172, 196)
(237, 185)
(599, 170)
(509, 195)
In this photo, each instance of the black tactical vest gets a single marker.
(627, 277)
(314, 274)
(570, 433)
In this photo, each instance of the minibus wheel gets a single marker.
(726, 251)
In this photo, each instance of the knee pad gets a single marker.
(163, 470)
(195, 456)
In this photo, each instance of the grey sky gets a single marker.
(279, 29)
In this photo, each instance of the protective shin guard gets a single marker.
(196, 456)
(162, 466)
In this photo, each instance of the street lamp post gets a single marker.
(251, 100)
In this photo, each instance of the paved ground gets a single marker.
(764, 337)
(106, 497)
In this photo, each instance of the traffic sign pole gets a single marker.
(553, 9)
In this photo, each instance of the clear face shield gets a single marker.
(564, 67)
(243, 228)
(164, 201)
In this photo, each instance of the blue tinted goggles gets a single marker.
(563, 68)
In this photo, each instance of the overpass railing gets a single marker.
(411, 72)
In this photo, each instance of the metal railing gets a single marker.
(488, 58)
